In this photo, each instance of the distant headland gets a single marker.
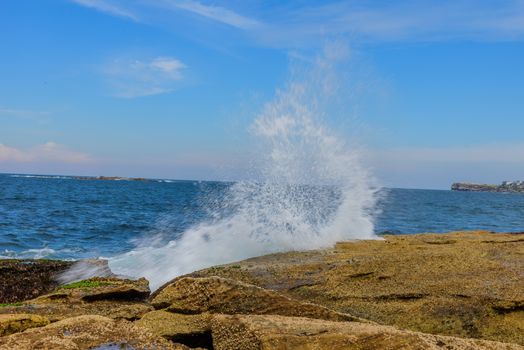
(506, 186)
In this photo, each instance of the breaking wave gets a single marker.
(308, 190)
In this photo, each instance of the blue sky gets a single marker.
(167, 88)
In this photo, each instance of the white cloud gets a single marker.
(168, 65)
(215, 13)
(107, 7)
(47, 152)
(135, 78)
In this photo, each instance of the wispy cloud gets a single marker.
(306, 24)
(107, 7)
(215, 13)
(47, 152)
(400, 21)
(135, 78)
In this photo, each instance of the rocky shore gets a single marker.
(462, 290)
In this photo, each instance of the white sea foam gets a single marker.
(42, 176)
(309, 190)
(42, 253)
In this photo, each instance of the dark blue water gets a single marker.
(61, 217)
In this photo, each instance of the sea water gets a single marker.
(60, 217)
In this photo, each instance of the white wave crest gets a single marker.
(309, 190)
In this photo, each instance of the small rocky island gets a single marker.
(461, 290)
(506, 186)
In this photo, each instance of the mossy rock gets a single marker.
(14, 323)
(85, 284)
(97, 289)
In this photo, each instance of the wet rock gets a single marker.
(86, 332)
(268, 332)
(111, 297)
(14, 323)
(97, 289)
(27, 279)
(189, 295)
(191, 330)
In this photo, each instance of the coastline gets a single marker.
(414, 289)
(505, 187)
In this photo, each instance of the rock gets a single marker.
(86, 332)
(99, 288)
(14, 323)
(27, 279)
(190, 330)
(506, 186)
(466, 284)
(58, 311)
(189, 295)
(268, 332)
(111, 297)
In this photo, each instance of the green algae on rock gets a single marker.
(99, 288)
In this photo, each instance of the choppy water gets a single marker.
(59, 217)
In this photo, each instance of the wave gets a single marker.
(308, 190)
(42, 253)
(42, 176)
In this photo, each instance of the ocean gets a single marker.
(62, 217)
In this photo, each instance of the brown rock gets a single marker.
(99, 288)
(111, 297)
(86, 332)
(14, 323)
(27, 279)
(189, 295)
(268, 332)
(466, 284)
(58, 311)
(191, 330)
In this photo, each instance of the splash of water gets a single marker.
(310, 191)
